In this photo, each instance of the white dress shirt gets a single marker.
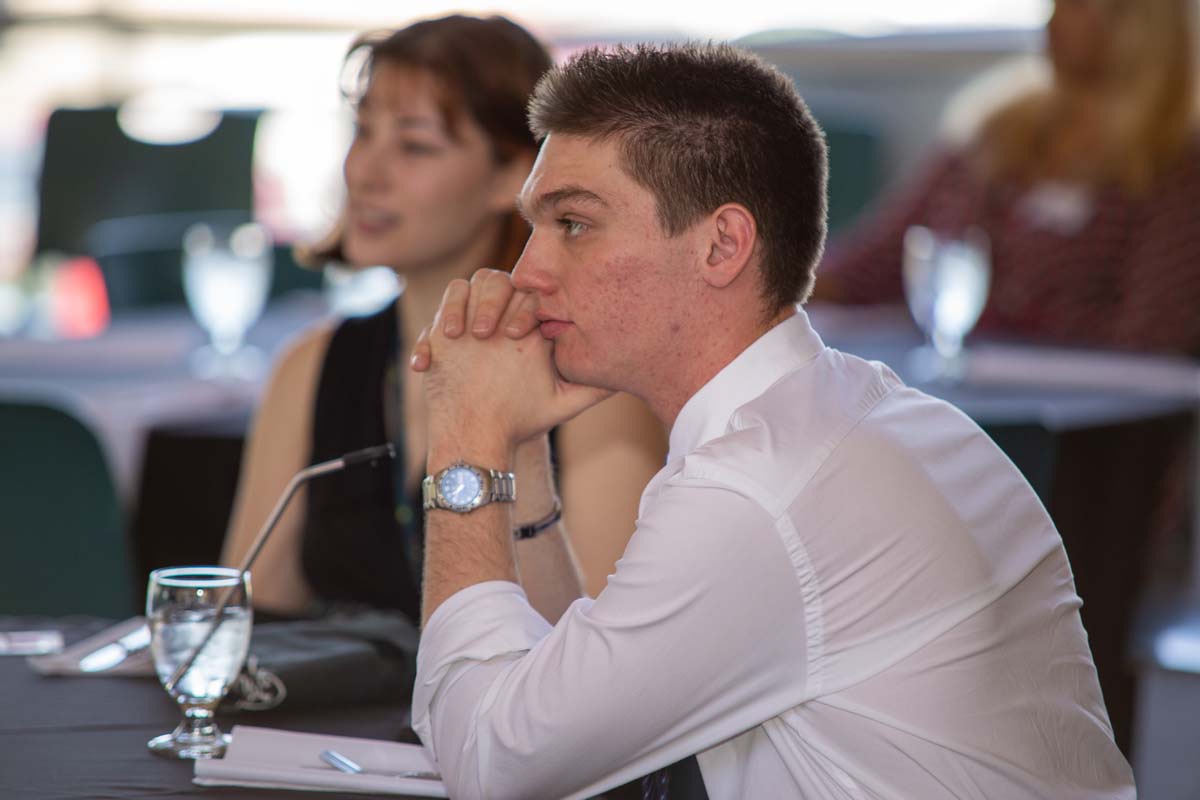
(838, 588)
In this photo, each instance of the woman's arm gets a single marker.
(606, 456)
(548, 573)
(277, 448)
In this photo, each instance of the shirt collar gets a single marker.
(706, 414)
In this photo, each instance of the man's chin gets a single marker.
(573, 373)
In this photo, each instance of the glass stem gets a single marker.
(947, 346)
(199, 721)
(225, 344)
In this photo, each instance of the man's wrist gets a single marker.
(476, 445)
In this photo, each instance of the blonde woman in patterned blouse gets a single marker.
(1088, 188)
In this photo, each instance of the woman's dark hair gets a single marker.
(485, 68)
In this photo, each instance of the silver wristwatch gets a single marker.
(463, 487)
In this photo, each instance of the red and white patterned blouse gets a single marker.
(1100, 268)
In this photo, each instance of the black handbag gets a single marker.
(340, 659)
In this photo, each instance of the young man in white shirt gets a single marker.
(838, 587)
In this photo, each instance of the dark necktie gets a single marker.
(679, 781)
(656, 785)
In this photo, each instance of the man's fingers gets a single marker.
(451, 317)
(422, 353)
(490, 293)
(575, 398)
(519, 320)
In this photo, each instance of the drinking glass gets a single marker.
(181, 606)
(226, 278)
(946, 285)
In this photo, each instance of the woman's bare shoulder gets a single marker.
(297, 367)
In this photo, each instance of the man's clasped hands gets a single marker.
(506, 385)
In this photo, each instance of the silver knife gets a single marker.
(113, 653)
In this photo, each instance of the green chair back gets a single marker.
(64, 545)
(854, 168)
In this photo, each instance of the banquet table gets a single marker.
(135, 375)
(84, 738)
(71, 738)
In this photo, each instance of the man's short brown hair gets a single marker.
(700, 126)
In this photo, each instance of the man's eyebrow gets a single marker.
(560, 195)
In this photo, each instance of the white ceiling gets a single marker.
(554, 17)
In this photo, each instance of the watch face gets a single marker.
(460, 487)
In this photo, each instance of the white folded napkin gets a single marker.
(263, 758)
(1154, 376)
(113, 651)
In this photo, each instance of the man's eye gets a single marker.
(572, 227)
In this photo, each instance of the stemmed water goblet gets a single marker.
(182, 605)
(226, 279)
(945, 285)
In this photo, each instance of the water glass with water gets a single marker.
(226, 279)
(181, 606)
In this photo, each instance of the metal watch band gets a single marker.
(497, 487)
(428, 493)
(503, 486)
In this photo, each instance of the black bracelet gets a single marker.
(534, 528)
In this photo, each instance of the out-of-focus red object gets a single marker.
(79, 301)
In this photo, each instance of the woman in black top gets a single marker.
(440, 151)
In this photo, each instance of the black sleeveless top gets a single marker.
(361, 539)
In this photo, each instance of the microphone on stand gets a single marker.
(367, 454)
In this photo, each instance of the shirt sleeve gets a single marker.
(699, 636)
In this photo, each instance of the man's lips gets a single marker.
(551, 327)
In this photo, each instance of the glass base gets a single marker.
(927, 365)
(247, 363)
(186, 742)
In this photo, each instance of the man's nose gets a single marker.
(530, 274)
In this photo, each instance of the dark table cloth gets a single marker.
(68, 738)
(77, 738)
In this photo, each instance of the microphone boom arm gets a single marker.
(299, 479)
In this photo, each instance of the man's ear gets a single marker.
(733, 234)
(508, 180)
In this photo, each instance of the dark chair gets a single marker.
(189, 483)
(93, 173)
(64, 545)
(141, 258)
